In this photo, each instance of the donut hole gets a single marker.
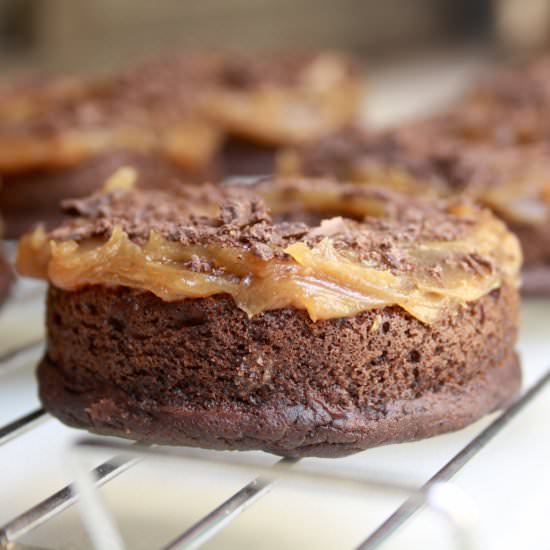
(313, 218)
(313, 205)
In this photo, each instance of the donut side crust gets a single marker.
(199, 372)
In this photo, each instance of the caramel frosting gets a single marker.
(422, 160)
(180, 107)
(332, 249)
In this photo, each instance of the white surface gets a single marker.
(508, 482)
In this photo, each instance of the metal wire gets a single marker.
(217, 519)
(14, 359)
(21, 425)
(60, 501)
(248, 495)
(431, 493)
(451, 502)
(411, 506)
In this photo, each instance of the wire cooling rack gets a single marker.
(453, 506)
(394, 97)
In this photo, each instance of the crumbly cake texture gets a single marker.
(202, 372)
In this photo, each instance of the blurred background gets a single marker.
(68, 34)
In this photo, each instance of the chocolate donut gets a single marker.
(61, 138)
(187, 117)
(300, 317)
(513, 181)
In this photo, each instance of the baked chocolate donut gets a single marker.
(304, 317)
(513, 181)
(187, 117)
(61, 137)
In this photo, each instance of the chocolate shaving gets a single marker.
(238, 217)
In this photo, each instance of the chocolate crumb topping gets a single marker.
(198, 264)
(241, 217)
(431, 155)
(241, 213)
(332, 248)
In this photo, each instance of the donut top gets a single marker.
(180, 106)
(241, 71)
(421, 160)
(62, 123)
(479, 122)
(333, 249)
